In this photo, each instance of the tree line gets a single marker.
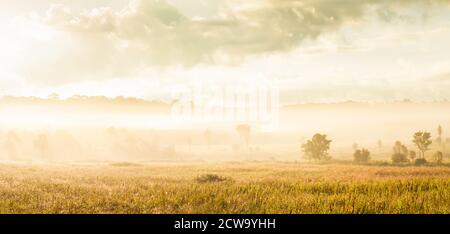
(318, 146)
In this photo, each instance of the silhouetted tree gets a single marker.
(439, 138)
(399, 148)
(355, 146)
(317, 148)
(400, 153)
(361, 156)
(412, 155)
(422, 141)
(379, 143)
(438, 156)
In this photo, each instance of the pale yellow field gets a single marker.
(241, 187)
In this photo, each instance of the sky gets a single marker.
(316, 50)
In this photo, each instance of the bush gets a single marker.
(420, 162)
(399, 158)
(211, 178)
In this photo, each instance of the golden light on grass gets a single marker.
(256, 106)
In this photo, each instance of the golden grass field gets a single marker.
(242, 187)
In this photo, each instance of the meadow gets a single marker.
(227, 187)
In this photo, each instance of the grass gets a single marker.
(251, 187)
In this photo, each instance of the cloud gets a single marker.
(102, 42)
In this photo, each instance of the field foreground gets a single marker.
(241, 187)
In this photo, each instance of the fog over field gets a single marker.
(225, 106)
(40, 130)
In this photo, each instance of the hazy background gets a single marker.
(102, 129)
(99, 76)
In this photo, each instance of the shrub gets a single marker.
(211, 178)
(420, 162)
(399, 158)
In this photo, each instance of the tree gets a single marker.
(355, 146)
(422, 141)
(438, 156)
(317, 148)
(357, 155)
(361, 156)
(399, 148)
(379, 143)
(439, 138)
(400, 153)
(412, 155)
